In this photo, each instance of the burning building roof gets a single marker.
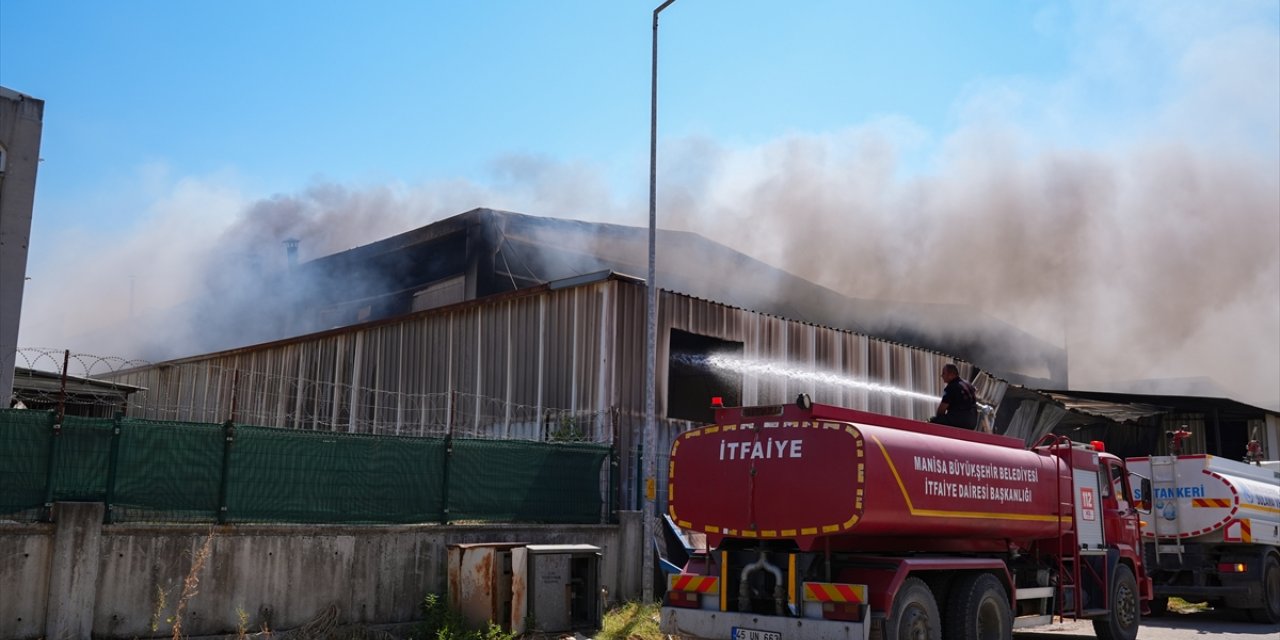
(485, 252)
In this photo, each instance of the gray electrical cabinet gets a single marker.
(555, 587)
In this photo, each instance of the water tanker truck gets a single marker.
(1214, 532)
(827, 523)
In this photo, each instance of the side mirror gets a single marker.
(1142, 495)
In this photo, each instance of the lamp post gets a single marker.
(651, 347)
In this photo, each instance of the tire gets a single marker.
(915, 613)
(978, 609)
(1269, 612)
(1122, 622)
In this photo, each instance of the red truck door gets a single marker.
(1120, 518)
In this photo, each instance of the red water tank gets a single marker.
(856, 480)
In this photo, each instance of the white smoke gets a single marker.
(1132, 216)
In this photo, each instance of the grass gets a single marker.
(439, 622)
(631, 621)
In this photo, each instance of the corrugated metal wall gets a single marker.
(520, 367)
(552, 360)
(545, 364)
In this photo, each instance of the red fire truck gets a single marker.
(826, 523)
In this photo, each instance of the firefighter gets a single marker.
(959, 406)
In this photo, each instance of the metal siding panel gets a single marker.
(882, 373)
(826, 359)
(630, 350)
(669, 306)
(559, 370)
(578, 350)
(525, 374)
(589, 326)
(493, 326)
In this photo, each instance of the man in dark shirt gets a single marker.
(959, 406)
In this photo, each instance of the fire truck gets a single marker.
(828, 523)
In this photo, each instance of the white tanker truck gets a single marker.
(1213, 532)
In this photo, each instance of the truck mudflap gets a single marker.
(732, 625)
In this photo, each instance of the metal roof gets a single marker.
(36, 388)
(1129, 407)
(542, 249)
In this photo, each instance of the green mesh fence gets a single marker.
(167, 471)
(525, 482)
(302, 476)
(80, 465)
(172, 471)
(24, 461)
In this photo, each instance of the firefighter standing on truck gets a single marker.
(959, 406)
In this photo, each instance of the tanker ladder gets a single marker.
(1086, 557)
(1164, 476)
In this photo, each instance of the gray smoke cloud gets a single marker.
(1158, 261)
(1143, 236)
(1148, 245)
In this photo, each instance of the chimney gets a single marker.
(291, 252)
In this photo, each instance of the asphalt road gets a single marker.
(1220, 625)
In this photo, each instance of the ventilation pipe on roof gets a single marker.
(291, 252)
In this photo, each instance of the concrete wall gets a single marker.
(78, 577)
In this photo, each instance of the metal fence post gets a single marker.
(639, 494)
(55, 442)
(113, 465)
(229, 438)
(55, 447)
(613, 486)
(448, 454)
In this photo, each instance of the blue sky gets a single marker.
(283, 92)
(1089, 139)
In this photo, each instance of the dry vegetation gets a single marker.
(631, 621)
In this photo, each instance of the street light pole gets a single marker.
(651, 348)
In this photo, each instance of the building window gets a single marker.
(693, 379)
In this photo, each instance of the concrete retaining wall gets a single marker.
(78, 578)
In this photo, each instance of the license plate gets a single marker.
(753, 634)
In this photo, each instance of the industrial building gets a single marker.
(496, 324)
(485, 252)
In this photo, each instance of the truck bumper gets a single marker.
(718, 625)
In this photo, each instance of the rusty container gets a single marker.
(480, 577)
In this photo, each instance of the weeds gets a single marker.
(242, 623)
(191, 583)
(162, 601)
(439, 622)
(631, 621)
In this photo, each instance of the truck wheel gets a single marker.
(1269, 612)
(978, 609)
(1122, 622)
(915, 613)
